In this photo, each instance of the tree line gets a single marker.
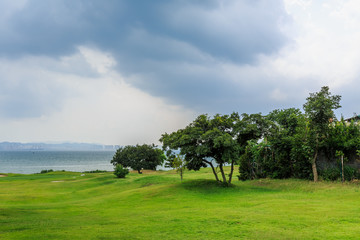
(285, 143)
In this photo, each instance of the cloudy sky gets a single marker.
(126, 71)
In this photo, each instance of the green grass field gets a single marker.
(66, 205)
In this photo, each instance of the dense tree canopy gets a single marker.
(139, 157)
(295, 142)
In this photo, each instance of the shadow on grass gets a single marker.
(206, 186)
(213, 187)
(148, 180)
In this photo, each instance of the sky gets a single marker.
(126, 71)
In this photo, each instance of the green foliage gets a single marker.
(46, 171)
(204, 140)
(300, 155)
(283, 153)
(120, 171)
(342, 139)
(289, 144)
(330, 173)
(255, 161)
(245, 164)
(350, 173)
(333, 173)
(139, 157)
(284, 144)
(319, 109)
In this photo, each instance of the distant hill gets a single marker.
(16, 146)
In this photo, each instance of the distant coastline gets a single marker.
(17, 146)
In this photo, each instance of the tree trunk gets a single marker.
(314, 168)
(342, 168)
(213, 169)
(139, 171)
(222, 173)
(231, 171)
(313, 163)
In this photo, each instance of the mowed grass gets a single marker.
(67, 205)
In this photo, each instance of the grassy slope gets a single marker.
(158, 206)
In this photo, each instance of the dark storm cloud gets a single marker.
(171, 49)
(235, 30)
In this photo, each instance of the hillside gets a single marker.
(156, 205)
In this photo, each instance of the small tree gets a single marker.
(120, 171)
(139, 157)
(179, 163)
(319, 109)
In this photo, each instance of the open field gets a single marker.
(66, 205)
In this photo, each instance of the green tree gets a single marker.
(319, 109)
(139, 157)
(206, 140)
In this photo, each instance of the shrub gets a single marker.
(120, 171)
(46, 171)
(350, 173)
(330, 173)
(333, 173)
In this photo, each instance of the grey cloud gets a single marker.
(168, 48)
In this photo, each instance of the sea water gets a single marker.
(35, 161)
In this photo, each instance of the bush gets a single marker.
(46, 171)
(350, 173)
(330, 173)
(120, 171)
(334, 173)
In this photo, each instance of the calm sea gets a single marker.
(35, 161)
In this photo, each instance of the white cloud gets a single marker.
(326, 43)
(100, 61)
(101, 108)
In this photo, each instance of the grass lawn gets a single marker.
(68, 205)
